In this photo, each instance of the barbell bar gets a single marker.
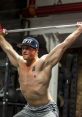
(41, 28)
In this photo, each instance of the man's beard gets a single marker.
(29, 60)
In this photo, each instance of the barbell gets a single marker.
(40, 28)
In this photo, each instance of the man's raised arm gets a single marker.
(55, 55)
(8, 49)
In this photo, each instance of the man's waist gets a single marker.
(37, 102)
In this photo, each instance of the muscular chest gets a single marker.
(29, 76)
(33, 75)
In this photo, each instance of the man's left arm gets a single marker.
(55, 55)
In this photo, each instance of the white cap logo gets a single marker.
(27, 41)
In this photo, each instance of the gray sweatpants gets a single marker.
(48, 110)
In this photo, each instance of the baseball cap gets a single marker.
(30, 41)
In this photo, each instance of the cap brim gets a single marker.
(20, 45)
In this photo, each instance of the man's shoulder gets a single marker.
(43, 57)
(21, 59)
(41, 60)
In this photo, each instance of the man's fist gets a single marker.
(2, 30)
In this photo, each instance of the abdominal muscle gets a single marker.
(35, 95)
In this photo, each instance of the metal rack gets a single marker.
(6, 100)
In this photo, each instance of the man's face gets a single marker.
(28, 52)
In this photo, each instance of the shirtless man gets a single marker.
(35, 73)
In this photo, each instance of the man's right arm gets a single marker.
(8, 49)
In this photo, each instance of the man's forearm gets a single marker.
(4, 44)
(72, 38)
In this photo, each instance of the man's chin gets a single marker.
(27, 58)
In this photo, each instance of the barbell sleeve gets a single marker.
(41, 28)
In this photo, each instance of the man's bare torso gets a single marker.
(34, 82)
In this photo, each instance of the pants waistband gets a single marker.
(42, 107)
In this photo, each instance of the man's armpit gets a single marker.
(47, 63)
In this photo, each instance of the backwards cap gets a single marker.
(31, 41)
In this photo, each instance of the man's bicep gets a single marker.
(55, 55)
